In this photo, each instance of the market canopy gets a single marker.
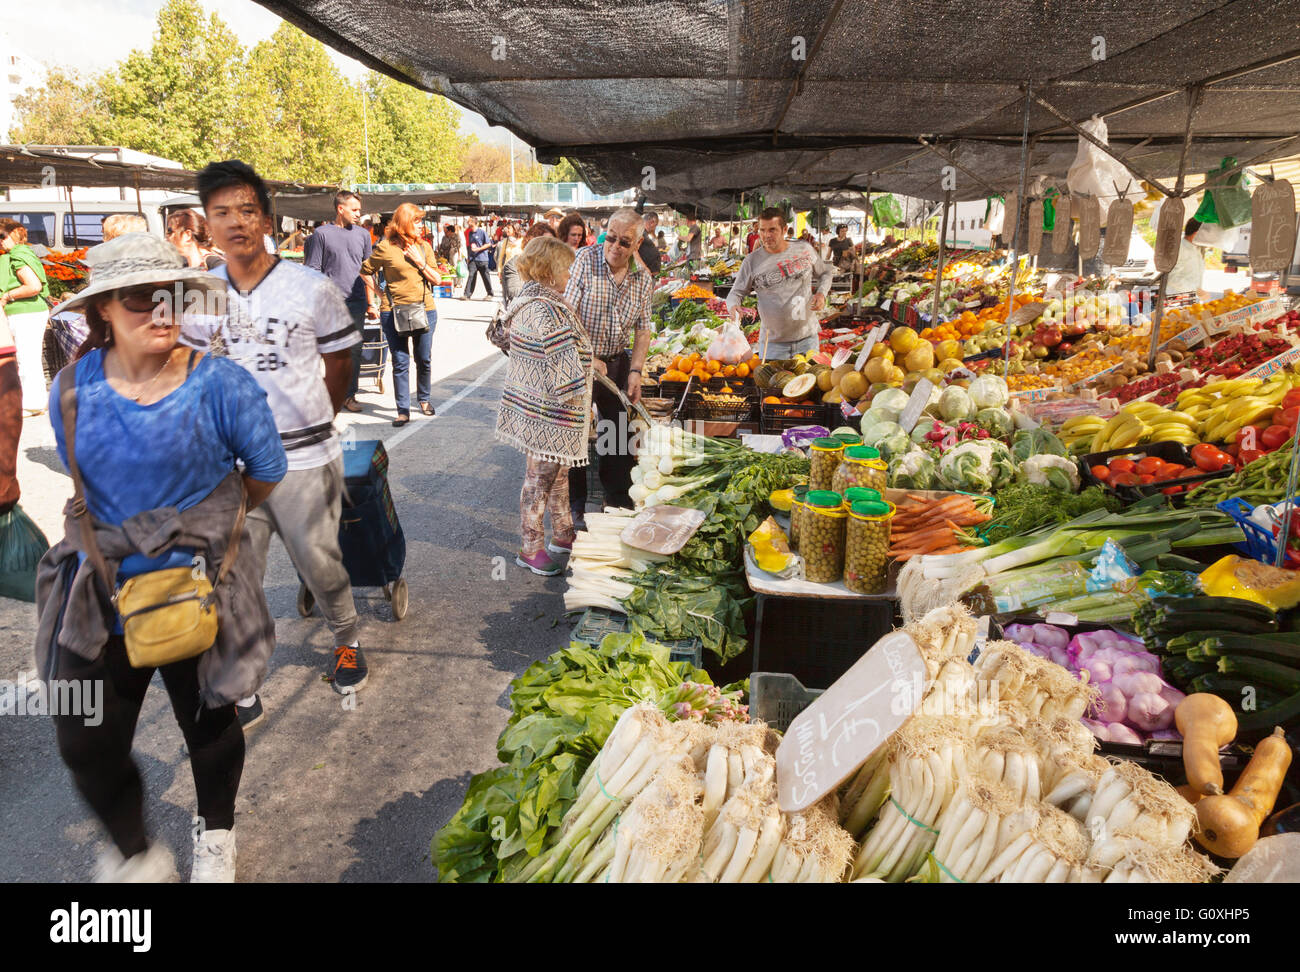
(318, 206)
(725, 97)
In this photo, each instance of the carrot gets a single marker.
(919, 499)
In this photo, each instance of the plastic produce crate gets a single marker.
(1260, 544)
(596, 623)
(815, 639)
(776, 698)
(698, 409)
(1168, 451)
(442, 290)
(775, 419)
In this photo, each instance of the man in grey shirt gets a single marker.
(782, 273)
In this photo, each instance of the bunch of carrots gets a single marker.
(931, 526)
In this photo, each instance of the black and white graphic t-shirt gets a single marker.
(278, 332)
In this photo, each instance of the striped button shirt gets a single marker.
(610, 311)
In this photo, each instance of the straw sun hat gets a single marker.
(138, 259)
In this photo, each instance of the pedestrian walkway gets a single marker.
(332, 793)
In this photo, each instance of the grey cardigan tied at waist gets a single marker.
(235, 665)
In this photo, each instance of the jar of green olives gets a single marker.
(861, 466)
(826, 456)
(856, 494)
(821, 536)
(866, 557)
(796, 515)
(848, 438)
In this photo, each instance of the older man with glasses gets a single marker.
(611, 295)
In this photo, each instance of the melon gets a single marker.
(882, 350)
(799, 386)
(825, 379)
(877, 370)
(948, 349)
(833, 397)
(853, 386)
(903, 340)
(780, 380)
(921, 357)
(837, 374)
(949, 365)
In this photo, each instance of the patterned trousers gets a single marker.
(546, 487)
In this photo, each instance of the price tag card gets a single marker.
(853, 718)
(873, 338)
(1061, 618)
(886, 304)
(915, 405)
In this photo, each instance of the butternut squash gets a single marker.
(1207, 724)
(1189, 793)
(1229, 823)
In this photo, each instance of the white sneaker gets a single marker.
(153, 866)
(214, 858)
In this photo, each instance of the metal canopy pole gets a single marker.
(938, 270)
(951, 160)
(138, 208)
(76, 240)
(1021, 209)
(1194, 97)
(797, 86)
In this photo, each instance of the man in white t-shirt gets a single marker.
(282, 321)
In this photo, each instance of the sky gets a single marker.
(92, 35)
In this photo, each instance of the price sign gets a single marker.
(1061, 618)
(853, 718)
(1119, 231)
(886, 304)
(1272, 226)
(1035, 226)
(915, 405)
(1089, 227)
(1169, 234)
(876, 334)
(1063, 225)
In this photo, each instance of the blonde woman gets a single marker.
(407, 262)
(546, 405)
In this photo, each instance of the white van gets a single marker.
(57, 225)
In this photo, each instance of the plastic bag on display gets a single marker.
(1096, 174)
(730, 346)
(886, 211)
(1217, 237)
(1231, 201)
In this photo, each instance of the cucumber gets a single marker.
(1172, 561)
(1231, 690)
(1280, 677)
(1284, 713)
(1278, 651)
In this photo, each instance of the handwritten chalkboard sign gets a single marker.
(1272, 226)
(1169, 234)
(853, 718)
(1089, 227)
(1119, 231)
(1010, 218)
(1035, 226)
(1063, 225)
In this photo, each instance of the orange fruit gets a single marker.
(729, 371)
(714, 367)
(771, 400)
(725, 390)
(742, 370)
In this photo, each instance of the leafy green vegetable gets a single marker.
(562, 711)
(1028, 443)
(1023, 507)
(673, 606)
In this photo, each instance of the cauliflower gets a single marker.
(978, 466)
(912, 470)
(955, 405)
(989, 391)
(1049, 470)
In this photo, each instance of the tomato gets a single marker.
(1288, 416)
(1150, 466)
(1210, 458)
(1122, 466)
(1124, 479)
(1145, 478)
(1275, 435)
(1170, 470)
(1173, 490)
(1247, 456)
(1291, 399)
(1100, 473)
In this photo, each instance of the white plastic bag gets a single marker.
(730, 346)
(1096, 174)
(1216, 237)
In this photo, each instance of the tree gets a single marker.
(563, 171)
(489, 162)
(414, 136)
(182, 98)
(306, 123)
(66, 111)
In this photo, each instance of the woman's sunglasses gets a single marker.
(146, 299)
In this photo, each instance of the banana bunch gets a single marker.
(1077, 433)
(1222, 408)
(1162, 424)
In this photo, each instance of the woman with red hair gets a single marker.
(406, 260)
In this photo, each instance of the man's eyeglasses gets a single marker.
(619, 241)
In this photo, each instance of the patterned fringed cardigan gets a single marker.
(546, 406)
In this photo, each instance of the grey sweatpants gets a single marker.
(304, 510)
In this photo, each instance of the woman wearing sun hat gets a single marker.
(157, 432)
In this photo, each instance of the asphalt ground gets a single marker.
(331, 791)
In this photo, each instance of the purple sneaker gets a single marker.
(560, 546)
(539, 563)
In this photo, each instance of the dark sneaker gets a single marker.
(350, 671)
(539, 563)
(250, 715)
